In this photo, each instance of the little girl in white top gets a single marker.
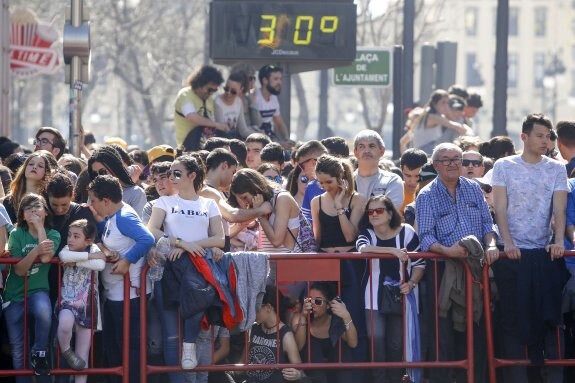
(79, 295)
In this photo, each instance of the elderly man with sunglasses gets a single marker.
(449, 209)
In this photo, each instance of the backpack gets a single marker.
(305, 241)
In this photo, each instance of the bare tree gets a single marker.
(386, 30)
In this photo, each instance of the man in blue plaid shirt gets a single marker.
(448, 209)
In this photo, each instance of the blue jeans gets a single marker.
(40, 311)
(170, 323)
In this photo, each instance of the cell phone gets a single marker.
(337, 298)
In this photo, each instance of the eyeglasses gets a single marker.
(102, 172)
(486, 188)
(176, 173)
(212, 90)
(43, 142)
(449, 161)
(33, 207)
(318, 301)
(276, 179)
(474, 163)
(378, 210)
(227, 89)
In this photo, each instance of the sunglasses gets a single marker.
(474, 163)
(276, 179)
(304, 179)
(378, 210)
(252, 78)
(318, 301)
(227, 89)
(176, 173)
(102, 172)
(551, 153)
(212, 90)
(486, 188)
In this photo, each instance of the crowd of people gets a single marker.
(236, 189)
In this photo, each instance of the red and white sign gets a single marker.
(34, 47)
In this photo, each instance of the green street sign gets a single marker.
(371, 68)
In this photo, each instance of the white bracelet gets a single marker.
(347, 324)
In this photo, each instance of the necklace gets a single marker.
(269, 330)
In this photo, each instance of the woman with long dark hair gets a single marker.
(106, 160)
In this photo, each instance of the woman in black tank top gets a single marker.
(337, 212)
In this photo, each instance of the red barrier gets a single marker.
(122, 370)
(493, 362)
(318, 267)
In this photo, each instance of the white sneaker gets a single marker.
(189, 358)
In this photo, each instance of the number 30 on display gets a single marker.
(302, 34)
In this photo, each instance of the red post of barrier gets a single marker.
(126, 330)
(469, 322)
(488, 324)
(143, 325)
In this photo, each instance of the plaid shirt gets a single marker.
(440, 219)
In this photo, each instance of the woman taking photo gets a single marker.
(193, 224)
(328, 321)
(387, 235)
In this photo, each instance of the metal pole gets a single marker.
(408, 37)
(500, 83)
(323, 104)
(285, 97)
(397, 99)
(5, 69)
(75, 85)
(427, 75)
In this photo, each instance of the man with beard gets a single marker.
(267, 103)
(370, 180)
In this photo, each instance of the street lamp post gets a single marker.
(555, 68)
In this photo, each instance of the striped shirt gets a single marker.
(441, 219)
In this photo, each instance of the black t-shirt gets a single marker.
(62, 222)
(263, 350)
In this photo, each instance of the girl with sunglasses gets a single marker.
(229, 107)
(31, 177)
(193, 224)
(387, 235)
(107, 161)
(328, 320)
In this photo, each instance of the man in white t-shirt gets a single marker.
(528, 190)
(267, 103)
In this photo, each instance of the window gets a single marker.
(540, 21)
(512, 70)
(513, 21)
(473, 76)
(538, 69)
(470, 21)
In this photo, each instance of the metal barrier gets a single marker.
(122, 370)
(494, 362)
(323, 267)
(290, 267)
